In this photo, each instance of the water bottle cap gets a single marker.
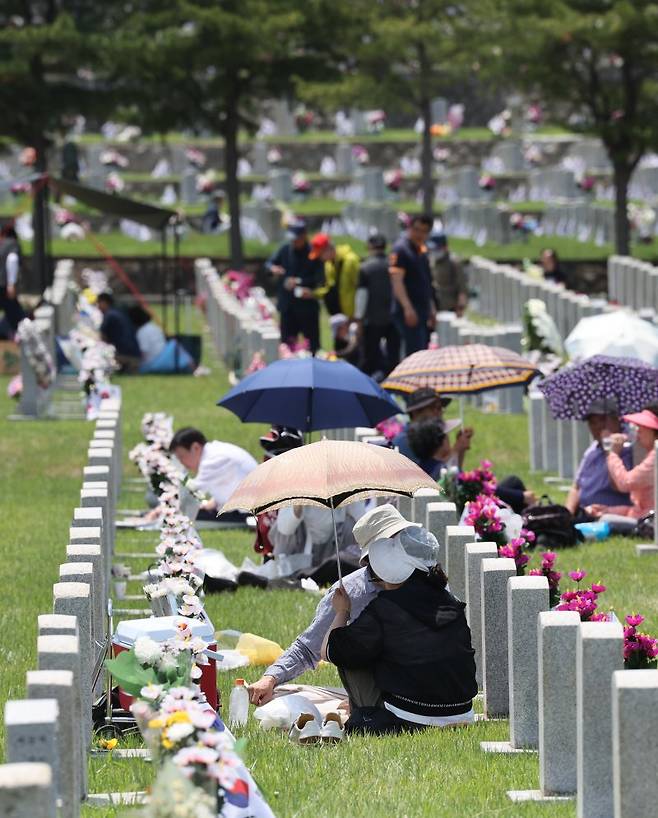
(239, 682)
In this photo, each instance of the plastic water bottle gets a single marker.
(238, 706)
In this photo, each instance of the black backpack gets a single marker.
(552, 524)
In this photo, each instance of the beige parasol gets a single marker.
(329, 473)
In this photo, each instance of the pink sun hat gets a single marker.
(646, 418)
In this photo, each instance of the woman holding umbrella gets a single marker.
(413, 639)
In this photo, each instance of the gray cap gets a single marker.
(604, 406)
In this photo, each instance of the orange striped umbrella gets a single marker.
(461, 370)
(329, 473)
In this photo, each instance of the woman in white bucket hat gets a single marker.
(304, 653)
(412, 641)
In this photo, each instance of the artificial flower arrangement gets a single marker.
(36, 352)
(539, 330)
(376, 120)
(97, 361)
(547, 570)
(152, 456)
(464, 487)
(178, 582)
(301, 183)
(516, 549)
(583, 600)
(640, 650)
(390, 428)
(483, 514)
(487, 182)
(172, 714)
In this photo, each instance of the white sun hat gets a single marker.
(379, 523)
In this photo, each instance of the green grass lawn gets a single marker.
(197, 244)
(437, 774)
(387, 135)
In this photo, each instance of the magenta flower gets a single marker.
(597, 588)
(635, 619)
(577, 576)
(600, 617)
(548, 558)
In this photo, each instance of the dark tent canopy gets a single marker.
(152, 216)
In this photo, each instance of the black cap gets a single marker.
(377, 241)
(424, 397)
(281, 439)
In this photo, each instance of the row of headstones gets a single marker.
(54, 317)
(561, 683)
(559, 680)
(544, 184)
(63, 296)
(504, 290)
(454, 331)
(582, 220)
(554, 445)
(633, 283)
(238, 333)
(36, 399)
(49, 733)
(481, 221)
(362, 219)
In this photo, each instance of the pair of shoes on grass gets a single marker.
(308, 730)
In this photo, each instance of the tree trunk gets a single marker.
(427, 182)
(232, 182)
(40, 259)
(622, 177)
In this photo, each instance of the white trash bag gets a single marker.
(283, 711)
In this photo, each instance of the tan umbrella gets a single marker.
(329, 473)
(461, 370)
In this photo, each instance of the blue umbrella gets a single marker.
(310, 394)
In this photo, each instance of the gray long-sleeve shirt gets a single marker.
(304, 653)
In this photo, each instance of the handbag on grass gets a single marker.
(552, 524)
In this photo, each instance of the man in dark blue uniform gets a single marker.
(411, 278)
(299, 274)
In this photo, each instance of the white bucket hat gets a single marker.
(379, 523)
(391, 563)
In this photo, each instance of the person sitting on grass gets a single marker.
(117, 329)
(346, 339)
(638, 481)
(425, 403)
(428, 440)
(592, 488)
(218, 468)
(304, 653)
(406, 660)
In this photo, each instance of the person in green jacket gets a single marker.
(341, 270)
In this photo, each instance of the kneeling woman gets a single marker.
(413, 639)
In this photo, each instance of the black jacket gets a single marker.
(416, 641)
(298, 264)
(376, 279)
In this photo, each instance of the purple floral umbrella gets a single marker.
(627, 384)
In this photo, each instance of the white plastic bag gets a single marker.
(283, 711)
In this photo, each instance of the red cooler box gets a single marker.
(161, 628)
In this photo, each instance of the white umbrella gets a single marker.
(620, 334)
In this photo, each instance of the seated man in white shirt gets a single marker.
(218, 468)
